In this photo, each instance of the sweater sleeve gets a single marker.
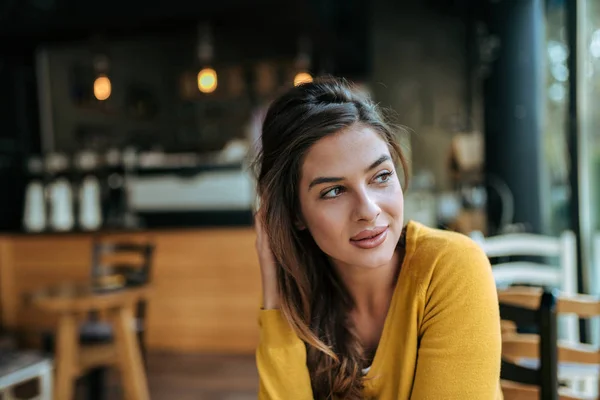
(459, 335)
(281, 360)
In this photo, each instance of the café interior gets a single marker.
(128, 266)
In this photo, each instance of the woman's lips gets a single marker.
(370, 238)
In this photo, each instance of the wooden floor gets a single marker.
(182, 377)
(199, 377)
(194, 377)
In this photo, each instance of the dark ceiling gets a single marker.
(51, 19)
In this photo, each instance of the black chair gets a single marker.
(544, 317)
(576, 364)
(114, 266)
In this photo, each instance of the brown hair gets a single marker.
(313, 298)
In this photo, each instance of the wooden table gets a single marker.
(72, 303)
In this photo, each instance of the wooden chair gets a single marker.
(543, 380)
(533, 273)
(114, 265)
(594, 288)
(531, 360)
(72, 303)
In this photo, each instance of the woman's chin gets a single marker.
(373, 260)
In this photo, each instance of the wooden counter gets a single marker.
(206, 285)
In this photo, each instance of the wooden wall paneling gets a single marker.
(43, 261)
(208, 283)
(7, 288)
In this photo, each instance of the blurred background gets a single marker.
(133, 122)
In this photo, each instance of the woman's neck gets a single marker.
(372, 289)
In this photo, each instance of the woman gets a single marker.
(355, 305)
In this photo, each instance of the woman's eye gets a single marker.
(332, 193)
(383, 177)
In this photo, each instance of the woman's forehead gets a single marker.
(354, 148)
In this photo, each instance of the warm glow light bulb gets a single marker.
(302, 77)
(102, 87)
(207, 80)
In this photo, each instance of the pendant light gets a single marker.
(102, 83)
(207, 76)
(303, 62)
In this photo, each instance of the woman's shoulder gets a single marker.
(435, 241)
(437, 251)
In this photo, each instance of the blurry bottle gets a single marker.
(34, 213)
(114, 184)
(89, 196)
(60, 193)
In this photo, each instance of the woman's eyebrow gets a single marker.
(379, 161)
(332, 179)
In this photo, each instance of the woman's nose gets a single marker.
(367, 208)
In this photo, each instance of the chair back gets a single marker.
(506, 253)
(533, 365)
(117, 264)
(129, 263)
(544, 316)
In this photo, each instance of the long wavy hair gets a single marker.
(313, 298)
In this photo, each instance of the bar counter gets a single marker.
(206, 284)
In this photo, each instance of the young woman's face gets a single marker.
(351, 199)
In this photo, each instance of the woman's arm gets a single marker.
(281, 360)
(460, 341)
(281, 355)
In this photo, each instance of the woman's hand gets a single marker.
(268, 267)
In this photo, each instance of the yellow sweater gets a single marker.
(441, 337)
